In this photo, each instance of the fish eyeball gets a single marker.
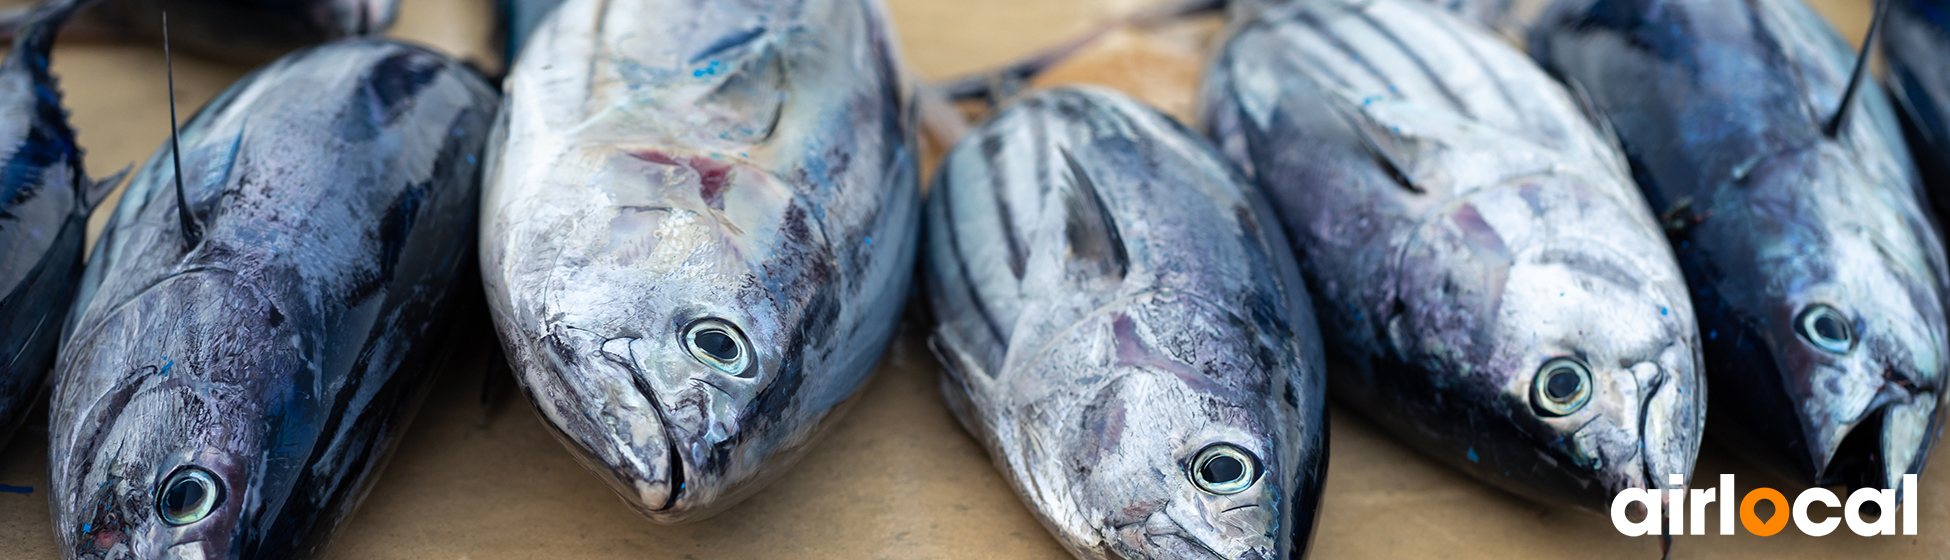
(1561, 387)
(719, 344)
(1223, 468)
(188, 495)
(1826, 328)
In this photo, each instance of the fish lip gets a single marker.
(673, 459)
(570, 360)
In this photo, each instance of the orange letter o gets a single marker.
(1752, 522)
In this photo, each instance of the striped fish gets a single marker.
(1818, 275)
(1125, 330)
(1494, 290)
(257, 324)
(698, 232)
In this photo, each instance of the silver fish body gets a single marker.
(233, 385)
(698, 233)
(1495, 291)
(1117, 309)
(1818, 275)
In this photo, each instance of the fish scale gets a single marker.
(1468, 234)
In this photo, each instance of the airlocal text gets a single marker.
(1685, 504)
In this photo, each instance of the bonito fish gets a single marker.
(698, 233)
(1818, 276)
(1496, 292)
(45, 200)
(1125, 329)
(253, 339)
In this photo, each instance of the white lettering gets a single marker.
(1649, 499)
(1728, 503)
(1909, 504)
(1885, 524)
(1811, 496)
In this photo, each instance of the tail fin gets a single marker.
(35, 29)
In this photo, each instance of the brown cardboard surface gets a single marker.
(898, 478)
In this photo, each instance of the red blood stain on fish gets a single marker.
(712, 175)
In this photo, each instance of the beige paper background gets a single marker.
(897, 479)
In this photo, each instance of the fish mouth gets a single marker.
(597, 404)
(1893, 438)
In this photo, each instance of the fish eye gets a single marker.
(1561, 387)
(1826, 328)
(188, 495)
(718, 344)
(1223, 468)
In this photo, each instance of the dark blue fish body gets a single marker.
(1818, 276)
(45, 199)
(235, 381)
(1916, 48)
(1497, 293)
(251, 31)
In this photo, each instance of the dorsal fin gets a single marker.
(1365, 128)
(1087, 224)
(192, 228)
(1833, 127)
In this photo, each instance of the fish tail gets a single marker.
(34, 29)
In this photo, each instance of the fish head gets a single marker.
(1177, 442)
(678, 340)
(1851, 319)
(1549, 309)
(172, 451)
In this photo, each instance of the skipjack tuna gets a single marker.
(1499, 293)
(1916, 47)
(698, 232)
(254, 336)
(45, 199)
(1818, 277)
(1125, 329)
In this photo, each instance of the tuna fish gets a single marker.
(45, 200)
(1817, 273)
(698, 232)
(235, 30)
(1916, 47)
(255, 330)
(1494, 291)
(1125, 330)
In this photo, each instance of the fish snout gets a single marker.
(596, 403)
(1672, 417)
